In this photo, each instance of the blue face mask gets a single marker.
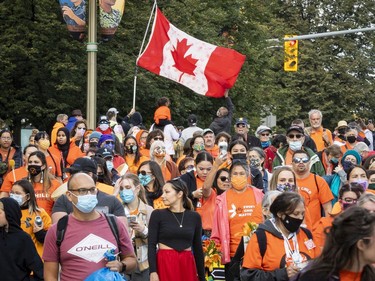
(109, 165)
(17, 197)
(108, 146)
(265, 144)
(127, 195)
(144, 179)
(86, 203)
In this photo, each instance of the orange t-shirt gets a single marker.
(10, 179)
(346, 275)
(319, 231)
(317, 136)
(241, 209)
(313, 195)
(54, 164)
(274, 257)
(44, 199)
(133, 168)
(213, 151)
(206, 207)
(162, 112)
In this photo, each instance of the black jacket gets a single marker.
(224, 124)
(18, 256)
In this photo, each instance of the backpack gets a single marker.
(262, 239)
(62, 224)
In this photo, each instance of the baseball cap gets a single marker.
(113, 109)
(103, 120)
(104, 152)
(192, 119)
(262, 129)
(83, 164)
(241, 121)
(295, 128)
(206, 131)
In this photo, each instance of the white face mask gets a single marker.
(17, 197)
(103, 127)
(295, 145)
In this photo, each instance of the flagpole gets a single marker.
(140, 52)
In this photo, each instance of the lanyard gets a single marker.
(293, 254)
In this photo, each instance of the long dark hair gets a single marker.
(179, 185)
(46, 175)
(340, 249)
(137, 153)
(28, 188)
(214, 184)
(107, 175)
(156, 172)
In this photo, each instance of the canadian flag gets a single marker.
(205, 68)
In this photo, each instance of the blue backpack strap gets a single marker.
(262, 241)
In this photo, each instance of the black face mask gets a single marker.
(34, 169)
(291, 224)
(101, 178)
(342, 131)
(351, 139)
(240, 157)
(93, 144)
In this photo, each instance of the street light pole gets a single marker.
(92, 49)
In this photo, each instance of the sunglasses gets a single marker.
(304, 160)
(224, 178)
(297, 136)
(265, 135)
(240, 125)
(143, 173)
(109, 142)
(158, 138)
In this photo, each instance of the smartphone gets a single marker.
(132, 218)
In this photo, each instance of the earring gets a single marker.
(41, 179)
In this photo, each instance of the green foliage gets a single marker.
(43, 71)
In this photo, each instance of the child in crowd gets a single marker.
(162, 115)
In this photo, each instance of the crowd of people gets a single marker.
(153, 196)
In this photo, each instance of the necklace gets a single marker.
(182, 220)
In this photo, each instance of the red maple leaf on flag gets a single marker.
(182, 63)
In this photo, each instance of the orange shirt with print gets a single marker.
(43, 198)
(158, 203)
(274, 257)
(314, 195)
(10, 179)
(317, 136)
(241, 209)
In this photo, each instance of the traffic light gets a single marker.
(290, 54)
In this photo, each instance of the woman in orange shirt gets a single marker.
(168, 167)
(66, 148)
(43, 181)
(132, 156)
(280, 248)
(349, 251)
(151, 177)
(233, 209)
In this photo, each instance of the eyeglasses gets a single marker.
(265, 135)
(224, 178)
(350, 200)
(297, 136)
(84, 191)
(158, 138)
(304, 160)
(6, 138)
(143, 173)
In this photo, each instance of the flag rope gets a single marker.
(140, 52)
